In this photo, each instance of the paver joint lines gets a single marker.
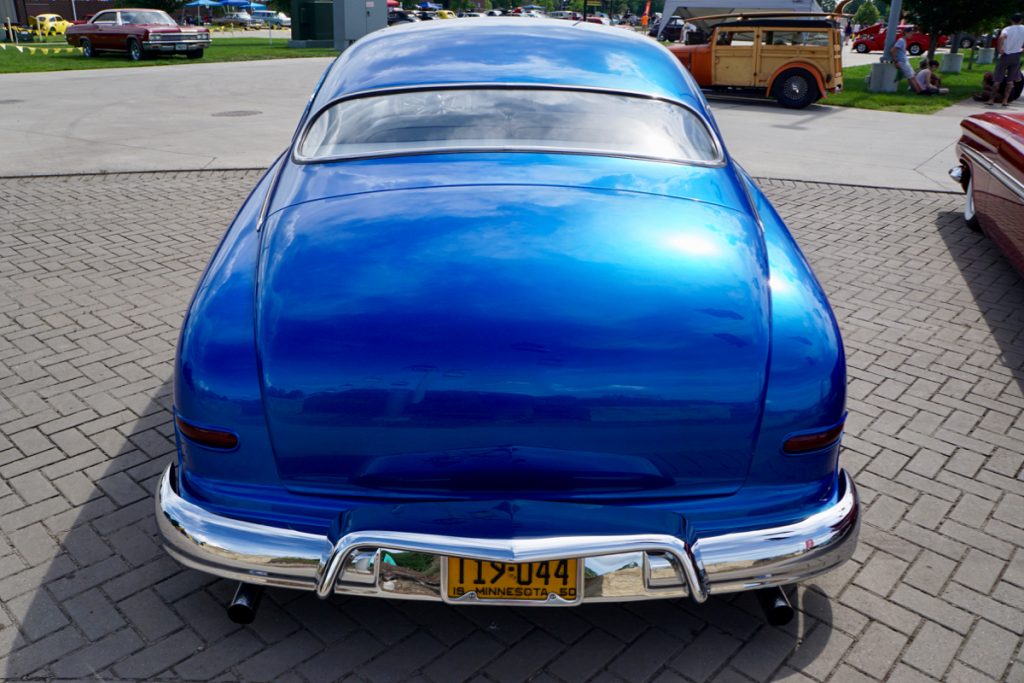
(92, 291)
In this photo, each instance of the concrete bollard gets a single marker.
(986, 55)
(950, 63)
(882, 78)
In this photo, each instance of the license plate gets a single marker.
(181, 47)
(528, 581)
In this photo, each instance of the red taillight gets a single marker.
(212, 438)
(804, 443)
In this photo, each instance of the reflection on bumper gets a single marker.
(408, 565)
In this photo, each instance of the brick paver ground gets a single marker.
(96, 271)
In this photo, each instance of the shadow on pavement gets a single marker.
(86, 591)
(111, 605)
(995, 286)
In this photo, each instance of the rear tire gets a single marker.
(914, 49)
(134, 50)
(1018, 87)
(966, 43)
(795, 89)
(194, 54)
(861, 48)
(86, 46)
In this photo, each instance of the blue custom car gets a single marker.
(507, 324)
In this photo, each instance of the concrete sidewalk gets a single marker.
(844, 145)
(241, 115)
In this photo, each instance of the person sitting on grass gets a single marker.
(927, 81)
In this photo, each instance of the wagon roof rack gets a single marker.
(768, 15)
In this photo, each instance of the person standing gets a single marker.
(1010, 46)
(898, 52)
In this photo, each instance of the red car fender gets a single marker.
(807, 66)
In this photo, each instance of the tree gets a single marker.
(867, 14)
(951, 17)
(172, 7)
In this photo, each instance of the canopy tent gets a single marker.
(394, 3)
(429, 5)
(532, 7)
(202, 3)
(700, 8)
(243, 3)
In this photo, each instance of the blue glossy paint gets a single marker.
(501, 51)
(510, 325)
(608, 341)
(503, 518)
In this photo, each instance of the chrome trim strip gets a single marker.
(1012, 184)
(355, 564)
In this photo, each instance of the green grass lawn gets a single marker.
(222, 50)
(855, 92)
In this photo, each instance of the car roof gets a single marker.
(501, 50)
(771, 23)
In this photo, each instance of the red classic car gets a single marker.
(138, 32)
(991, 171)
(872, 38)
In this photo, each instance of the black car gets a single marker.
(673, 30)
(397, 16)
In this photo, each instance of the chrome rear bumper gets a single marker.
(617, 568)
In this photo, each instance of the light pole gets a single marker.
(884, 74)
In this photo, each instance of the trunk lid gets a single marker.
(545, 342)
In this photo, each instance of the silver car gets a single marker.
(239, 18)
(271, 18)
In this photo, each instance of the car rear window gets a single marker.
(517, 119)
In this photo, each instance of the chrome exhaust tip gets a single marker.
(242, 609)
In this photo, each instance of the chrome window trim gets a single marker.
(997, 172)
(719, 161)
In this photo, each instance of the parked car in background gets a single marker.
(673, 30)
(797, 61)
(49, 24)
(582, 361)
(138, 33)
(271, 18)
(444, 14)
(399, 16)
(234, 18)
(991, 172)
(872, 39)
